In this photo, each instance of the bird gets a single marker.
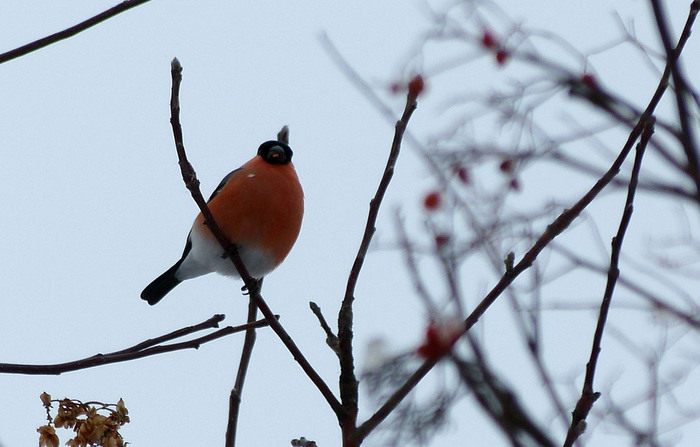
(258, 207)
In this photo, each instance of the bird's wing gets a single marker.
(222, 183)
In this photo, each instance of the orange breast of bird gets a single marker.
(260, 207)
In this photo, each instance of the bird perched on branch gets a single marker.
(258, 207)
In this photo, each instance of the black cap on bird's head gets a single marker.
(275, 152)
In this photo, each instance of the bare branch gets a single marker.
(501, 405)
(412, 266)
(588, 396)
(553, 230)
(563, 221)
(236, 395)
(144, 349)
(385, 410)
(686, 136)
(348, 381)
(213, 322)
(331, 338)
(70, 32)
(656, 303)
(234, 403)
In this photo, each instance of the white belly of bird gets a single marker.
(205, 256)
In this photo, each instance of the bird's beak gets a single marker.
(276, 153)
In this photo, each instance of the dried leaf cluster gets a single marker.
(94, 423)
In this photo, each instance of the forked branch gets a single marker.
(144, 349)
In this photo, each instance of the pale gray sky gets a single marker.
(94, 206)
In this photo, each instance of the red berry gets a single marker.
(439, 338)
(416, 85)
(588, 79)
(441, 240)
(502, 56)
(514, 184)
(432, 201)
(506, 166)
(463, 175)
(488, 40)
(430, 347)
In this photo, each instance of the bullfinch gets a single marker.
(258, 207)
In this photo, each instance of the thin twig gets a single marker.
(395, 399)
(413, 272)
(331, 338)
(70, 32)
(687, 135)
(558, 226)
(213, 322)
(553, 230)
(568, 216)
(126, 354)
(501, 404)
(531, 334)
(283, 135)
(656, 302)
(234, 403)
(588, 396)
(190, 178)
(348, 381)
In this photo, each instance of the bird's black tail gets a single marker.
(160, 286)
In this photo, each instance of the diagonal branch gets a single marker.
(210, 323)
(395, 399)
(234, 403)
(563, 221)
(553, 230)
(348, 381)
(603, 100)
(190, 178)
(145, 349)
(588, 397)
(687, 136)
(70, 32)
(237, 391)
(687, 317)
(501, 404)
(331, 338)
